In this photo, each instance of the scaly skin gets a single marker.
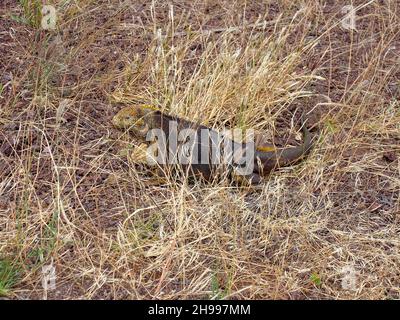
(140, 119)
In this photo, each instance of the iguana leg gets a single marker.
(154, 181)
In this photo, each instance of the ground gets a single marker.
(71, 199)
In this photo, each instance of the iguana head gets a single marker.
(134, 119)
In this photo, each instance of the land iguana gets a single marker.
(139, 120)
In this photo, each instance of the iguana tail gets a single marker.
(270, 160)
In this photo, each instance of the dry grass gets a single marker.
(70, 196)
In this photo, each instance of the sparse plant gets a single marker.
(32, 12)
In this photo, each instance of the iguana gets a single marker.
(140, 119)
